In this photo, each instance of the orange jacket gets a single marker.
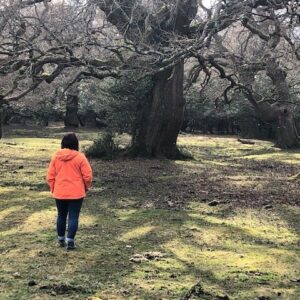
(69, 175)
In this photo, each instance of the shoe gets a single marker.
(61, 243)
(70, 246)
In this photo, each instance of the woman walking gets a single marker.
(69, 177)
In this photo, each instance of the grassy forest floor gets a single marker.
(226, 225)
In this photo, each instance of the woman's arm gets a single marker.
(87, 173)
(51, 175)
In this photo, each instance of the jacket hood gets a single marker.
(66, 154)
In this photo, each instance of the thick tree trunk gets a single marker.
(71, 117)
(283, 119)
(1, 123)
(287, 135)
(280, 114)
(162, 117)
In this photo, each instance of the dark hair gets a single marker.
(70, 141)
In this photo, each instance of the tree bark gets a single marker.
(1, 123)
(71, 117)
(162, 116)
(282, 117)
(287, 135)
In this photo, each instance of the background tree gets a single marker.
(263, 51)
(104, 38)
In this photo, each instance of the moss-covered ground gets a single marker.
(227, 222)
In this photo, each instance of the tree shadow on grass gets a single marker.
(102, 266)
(292, 216)
(109, 261)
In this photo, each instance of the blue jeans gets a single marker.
(70, 209)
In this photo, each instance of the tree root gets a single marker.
(248, 142)
(294, 177)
